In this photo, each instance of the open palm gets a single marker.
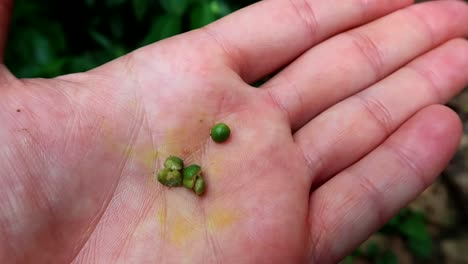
(320, 156)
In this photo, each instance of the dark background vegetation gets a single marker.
(54, 37)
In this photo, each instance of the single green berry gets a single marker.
(162, 174)
(220, 132)
(170, 178)
(200, 186)
(191, 174)
(174, 163)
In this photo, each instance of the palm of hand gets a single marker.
(79, 152)
(105, 142)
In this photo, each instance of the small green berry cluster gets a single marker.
(193, 179)
(174, 174)
(171, 175)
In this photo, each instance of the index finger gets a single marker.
(265, 36)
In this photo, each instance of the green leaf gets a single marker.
(219, 8)
(53, 68)
(372, 249)
(348, 260)
(57, 36)
(42, 50)
(414, 227)
(421, 248)
(101, 39)
(163, 27)
(81, 63)
(388, 257)
(201, 15)
(117, 28)
(358, 252)
(118, 51)
(397, 219)
(419, 240)
(140, 7)
(175, 7)
(392, 226)
(28, 71)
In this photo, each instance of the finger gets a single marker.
(269, 34)
(356, 59)
(358, 201)
(5, 15)
(346, 132)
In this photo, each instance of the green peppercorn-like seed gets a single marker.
(220, 132)
(191, 174)
(200, 186)
(174, 179)
(174, 163)
(170, 178)
(162, 175)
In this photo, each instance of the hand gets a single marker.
(319, 158)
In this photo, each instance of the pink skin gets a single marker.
(307, 174)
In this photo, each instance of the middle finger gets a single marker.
(350, 129)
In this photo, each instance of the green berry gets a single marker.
(170, 178)
(162, 174)
(200, 186)
(220, 132)
(191, 174)
(174, 163)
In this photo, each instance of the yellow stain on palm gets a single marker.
(186, 139)
(220, 219)
(161, 216)
(215, 166)
(128, 151)
(181, 231)
(163, 153)
(148, 157)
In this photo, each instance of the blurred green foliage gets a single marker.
(55, 37)
(412, 227)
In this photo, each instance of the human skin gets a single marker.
(350, 130)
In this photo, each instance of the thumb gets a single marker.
(6, 7)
